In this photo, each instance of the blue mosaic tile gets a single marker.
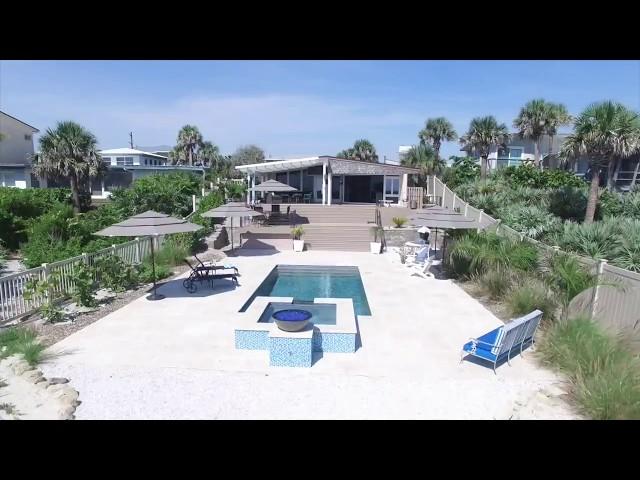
(252, 339)
(334, 342)
(290, 352)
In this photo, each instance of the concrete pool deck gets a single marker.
(176, 358)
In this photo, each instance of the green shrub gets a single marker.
(462, 170)
(145, 272)
(474, 253)
(38, 288)
(530, 176)
(496, 282)
(569, 203)
(605, 376)
(596, 240)
(167, 193)
(530, 295)
(530, 220)
(115, 274)
(172, 253)
(399, 222)
(297, 232)
(620, 204)
(23, 341)
(84, 285)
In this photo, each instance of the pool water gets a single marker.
(306, 282)
(321, 314)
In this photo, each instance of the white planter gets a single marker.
(375, 247)
(298, 245)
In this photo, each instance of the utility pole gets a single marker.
(131, 139)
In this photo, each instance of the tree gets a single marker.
(423, 156)
(362, 150)
(604, 132)
(176, 156)
(208, 154)
(559, 116)
(189, 139)
(69, 151)
(436, 131)
(533, 121)
(483, 134)
(248, 154)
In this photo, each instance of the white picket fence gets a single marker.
(13, 304)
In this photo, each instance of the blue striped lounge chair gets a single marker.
(499, 344)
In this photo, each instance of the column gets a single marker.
(102, 185)
(253, 188)
(248, 188)
(329, 188)
(301, 182)
(404, 182)
(324, 182)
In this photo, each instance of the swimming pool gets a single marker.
(306, 282)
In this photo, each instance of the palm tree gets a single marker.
(176, 155)
(69, 151)
(362, 150)
(423, 156)
(533, 122)
(189, 139)
(483, 134)
(208, 153)
(436, 131)
(559, 116)
(604, 132)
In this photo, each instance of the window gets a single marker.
(119, 160)
(27, 136)
(392, 186)
(515, 152)
(124, 161)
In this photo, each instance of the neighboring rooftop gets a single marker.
(129, 151)
(35, 130)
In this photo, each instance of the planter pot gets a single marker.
(375, 247)
(298, 245)
(292, 320)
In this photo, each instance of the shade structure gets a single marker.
(149, 224)
(231, 210)
(274, 186)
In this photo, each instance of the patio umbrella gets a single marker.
(231, 210)
(149, 224)
(274, 186)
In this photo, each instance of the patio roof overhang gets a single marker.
(280, 165)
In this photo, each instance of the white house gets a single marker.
(16, 151)
(125, 165)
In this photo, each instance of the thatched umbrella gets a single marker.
(149, 224)
(231, 210)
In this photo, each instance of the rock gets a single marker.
(33, 376)
(554, 391)
(68, 395)
(66, 413)
(20, 367)
(58, 380)
(43, 385)
(55, 388)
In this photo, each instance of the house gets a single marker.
(330, 180)
(16, 151)
(518, 150)
(125, 165)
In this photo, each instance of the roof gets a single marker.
(18, 120)
(339, 166)
(129, 151)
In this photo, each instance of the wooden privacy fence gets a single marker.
(614, 303)
(13, 304)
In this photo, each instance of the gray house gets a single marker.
(16, 152)
(331, 180)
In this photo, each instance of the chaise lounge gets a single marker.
(208, 273)
(498, 344)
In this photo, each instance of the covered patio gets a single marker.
(329, 180)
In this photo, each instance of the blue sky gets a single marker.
(297, 108)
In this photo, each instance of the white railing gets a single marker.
(13, 304)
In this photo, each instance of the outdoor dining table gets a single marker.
(414, 246)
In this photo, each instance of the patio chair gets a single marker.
(306, 198)
(422, 269)
(498, 344)
(200, 274)
(215, 266)
(419, 256)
